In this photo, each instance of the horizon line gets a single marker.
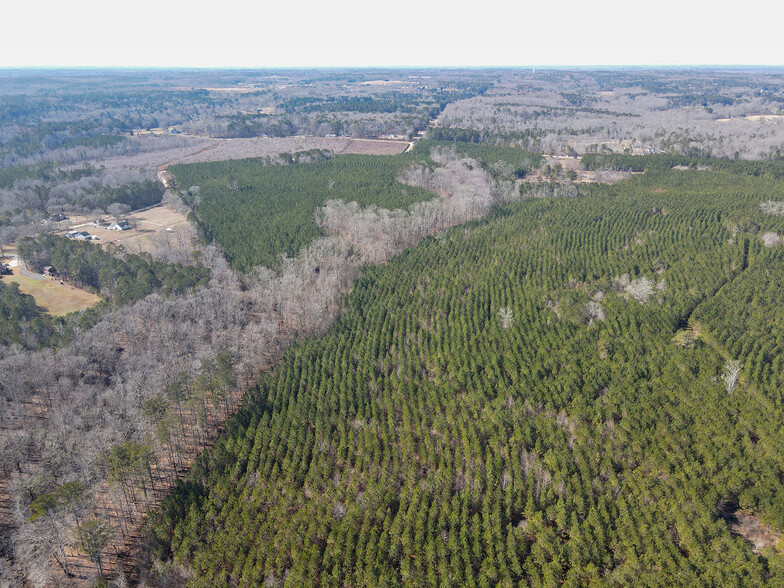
(397, 67)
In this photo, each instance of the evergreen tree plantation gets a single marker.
(539, 398)
(256, 212)
(365, 327)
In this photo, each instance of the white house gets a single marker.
(120, 226)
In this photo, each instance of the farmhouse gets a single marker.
(79, 235)
(120, 226)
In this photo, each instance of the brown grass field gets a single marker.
(195, 149)
(222, 149)
(58, 299)
(150, 226)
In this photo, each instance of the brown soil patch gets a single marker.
(567, 163)
(224, 149)
(658, 191)
(375, 146)
(748, 526)
(198, 149)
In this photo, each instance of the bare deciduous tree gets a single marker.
(773, 207)
(771, 239)
(731, 372)
(507, 317)
(594, 311)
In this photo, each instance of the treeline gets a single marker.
(525, 139)
(31, 195)
(137, 195)
(116, 109)
(366, 104)
(71, 118)
(371, 115)
(384, 102)
(454, 134)
(504, 404)
(47, 173)
(308, 156)
(122, 279)
(352, 123)
(663, 162)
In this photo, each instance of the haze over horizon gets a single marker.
(349, 34)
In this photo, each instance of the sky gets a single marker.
(357, 33)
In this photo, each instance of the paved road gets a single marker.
(25, 272)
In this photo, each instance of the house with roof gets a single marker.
(120, 226)
(78, 235)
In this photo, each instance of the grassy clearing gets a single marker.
(57, 299)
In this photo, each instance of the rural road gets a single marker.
(24, 271)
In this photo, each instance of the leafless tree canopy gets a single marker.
(64, 410)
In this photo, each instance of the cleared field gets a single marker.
(197, 149)
(222, 149)
(152, 228)
(583, 176)
(58, 299)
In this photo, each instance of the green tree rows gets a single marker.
(663, 162)
(256, 212)
(424, 441)
(745, 319)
